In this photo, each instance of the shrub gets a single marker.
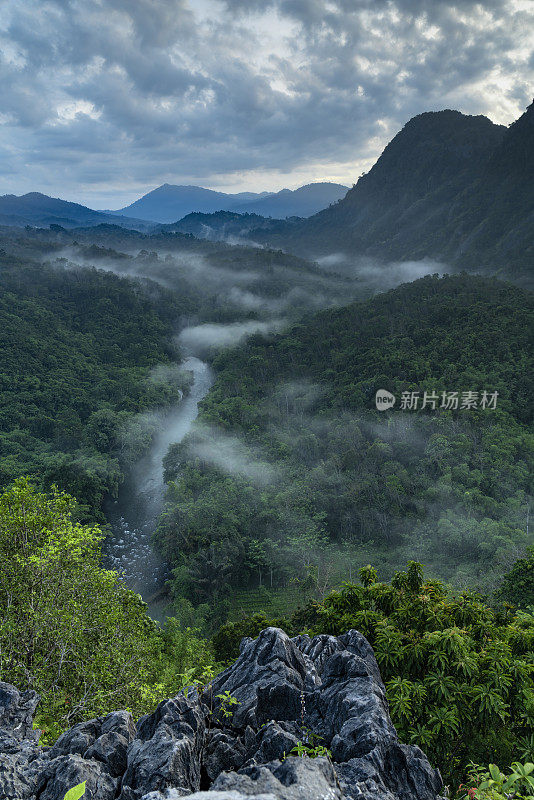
(459, 674)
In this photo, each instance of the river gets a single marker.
(133, 516)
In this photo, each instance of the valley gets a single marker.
(189, 432)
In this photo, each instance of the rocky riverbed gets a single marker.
(286, 690)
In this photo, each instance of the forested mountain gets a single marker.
(169, 203)
(77, 346)
(448, 186)
(220, 226)
(292, 472)
(35, 208)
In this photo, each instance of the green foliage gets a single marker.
(226, 705)
(306, 751)
(76, 348)
(518, 584)
(76, 792)
(69, 628)
(459, 674)
(492, 784)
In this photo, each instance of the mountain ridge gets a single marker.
(169, 203)
(448, 186)
(451, 187)
(36, 208)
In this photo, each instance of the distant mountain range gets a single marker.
(169, 203)
(301, 202)
(39, 210)
(451, 187)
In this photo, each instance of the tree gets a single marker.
(68, 627)
(518, 584)
(459, 674)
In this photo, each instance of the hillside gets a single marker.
(292, 475)
(492, 222)
(449, 186)
(38, 209)
(86, 342)
(219, 226)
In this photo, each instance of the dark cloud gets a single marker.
(127, 94)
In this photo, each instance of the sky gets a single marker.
(104, 100)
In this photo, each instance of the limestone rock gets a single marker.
(322, 691)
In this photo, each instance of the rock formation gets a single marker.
(325, 691)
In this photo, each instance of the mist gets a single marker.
(377, 276)
(239, 284)
(232, 455)
(201, 340)
(146, 439)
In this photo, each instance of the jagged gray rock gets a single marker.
(291, 779)
(64, 772)
(287, 689)
(167, 750)
(20, 765)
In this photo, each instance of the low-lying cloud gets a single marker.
(380, 276)
(230, 454)
(200, 340)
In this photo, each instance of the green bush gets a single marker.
(69, 628)
(492, 784)
(459, 674)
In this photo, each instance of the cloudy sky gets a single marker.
(103, 100)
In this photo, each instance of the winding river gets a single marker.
(134, 515)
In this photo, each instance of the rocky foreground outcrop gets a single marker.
(286, 688)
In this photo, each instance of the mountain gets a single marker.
(451, 187)
(407, 194)
(38, 209)
(301, 202)
(169, 203)
(493, 220)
